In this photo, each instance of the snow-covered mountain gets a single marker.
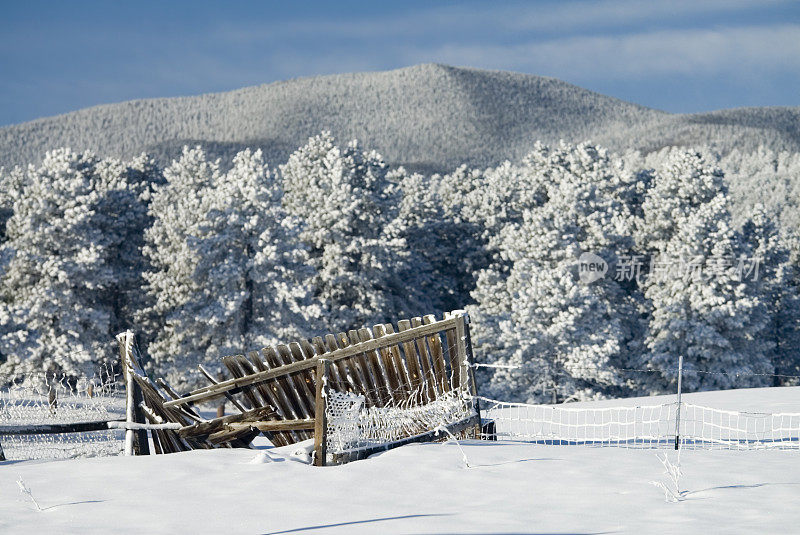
(427, 117)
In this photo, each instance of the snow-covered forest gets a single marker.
(205, 258)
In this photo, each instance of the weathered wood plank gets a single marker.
(306, 375)
(473, 386)
(295, 382)
(232, 363)
(359, 367)
(215, 391)
(265, 397)
(217, 424)
(461, 364)
(439, 366)
(367, 374)
(281, 386)
(208, 375)
(135, 441)
(453, 358)
(276, 425)
(404, 388)
(320, 413)
(282, 405)
(380, 373)
(416, 380)
(432, 388)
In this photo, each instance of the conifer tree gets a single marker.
(779, 287)
(346, 201)
(703, 307)
(69, 264)
(569, 337)
(232, 274)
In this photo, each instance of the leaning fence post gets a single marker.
(320, 416)
(135, 441)
(678, 410)
(465, 358)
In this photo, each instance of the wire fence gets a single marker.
(674, 424)
(353, 426)
(57, 400)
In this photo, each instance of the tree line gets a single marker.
(205, 258)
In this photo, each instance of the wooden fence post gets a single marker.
(135, 440)
(320, 416)
(465, 356)
(2, 455)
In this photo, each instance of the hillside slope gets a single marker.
(428, 117)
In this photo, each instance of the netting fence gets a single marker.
(48, 400)
(353, 426)
(671, 424)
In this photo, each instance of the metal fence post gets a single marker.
(678, 410)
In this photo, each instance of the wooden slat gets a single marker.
(214, 381)
(215, 391)
(282, 385)
(393, 375)
(380, 375)
(296, 382)
(308, 375)
(416, 379)
(403, 384)
(360, 366)
(338, 382)
(439, 366)
(425, 359)
(274, 391)
(453, 357)
(266, 397)
(232, 363)
(217, 424)
(320, 413)
(276, 425)
(461, 366)
(155, 401)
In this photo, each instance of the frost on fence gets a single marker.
(704, 427)
(648, 426)
(61, 401)
(352, 426)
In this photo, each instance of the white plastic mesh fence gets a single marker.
(51, 401)
(353, 426)
(646, 426)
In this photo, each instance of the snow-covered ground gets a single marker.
(424, 488)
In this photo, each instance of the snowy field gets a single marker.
(426, 488)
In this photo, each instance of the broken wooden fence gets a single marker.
(283, 391)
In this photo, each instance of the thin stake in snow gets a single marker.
(678, 409)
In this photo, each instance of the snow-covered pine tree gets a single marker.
(444, 250)
(176, 209)
(779, 287)
(346, 202)
(700, 308)
(238, 281)
(567, 336)
(69, 264)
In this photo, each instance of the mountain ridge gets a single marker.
(431, 117)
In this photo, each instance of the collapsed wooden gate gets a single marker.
(284, 391)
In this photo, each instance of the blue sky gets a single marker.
(679, 56)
